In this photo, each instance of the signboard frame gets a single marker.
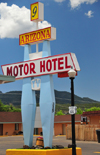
(40, 11)
(28, 35)
(71, 55)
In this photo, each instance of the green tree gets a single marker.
(1, 106)
(92, 109)
(59, 113)
(9, 108)
(79, 111)
(6, 108)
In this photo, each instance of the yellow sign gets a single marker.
(34, 36)
(34, 11)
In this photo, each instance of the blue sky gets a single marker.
(78, 31)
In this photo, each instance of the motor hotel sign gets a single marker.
(42, 66)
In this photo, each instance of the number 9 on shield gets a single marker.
(34, 11)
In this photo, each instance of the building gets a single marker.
(11, 123)
(87, 130)
(94, 117)
(37, 125)
(61, 122)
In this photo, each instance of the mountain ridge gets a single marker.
(62, 97)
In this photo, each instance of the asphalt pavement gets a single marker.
(12, 142)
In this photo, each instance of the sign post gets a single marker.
(28, 105)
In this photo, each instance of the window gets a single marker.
(16, 126)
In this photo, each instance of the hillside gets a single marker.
(62, 97)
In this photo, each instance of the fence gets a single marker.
(83, 132)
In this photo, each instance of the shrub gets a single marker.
(79, 111)
(92, 109)
(59, 113)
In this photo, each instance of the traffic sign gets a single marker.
(72, 110)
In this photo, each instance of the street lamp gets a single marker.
(72, 110)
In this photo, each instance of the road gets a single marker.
(11, 142)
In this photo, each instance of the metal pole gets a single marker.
(36, 43)
(73, 119)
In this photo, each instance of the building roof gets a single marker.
(10, 117)
(15, 117)
(91, 113)
(6, 79)
(66, 118)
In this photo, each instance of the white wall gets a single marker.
(37, 118)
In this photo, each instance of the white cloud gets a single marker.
(15, 21)
(89, 14)
(76, 3)
(59, 1)
(43, 24)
